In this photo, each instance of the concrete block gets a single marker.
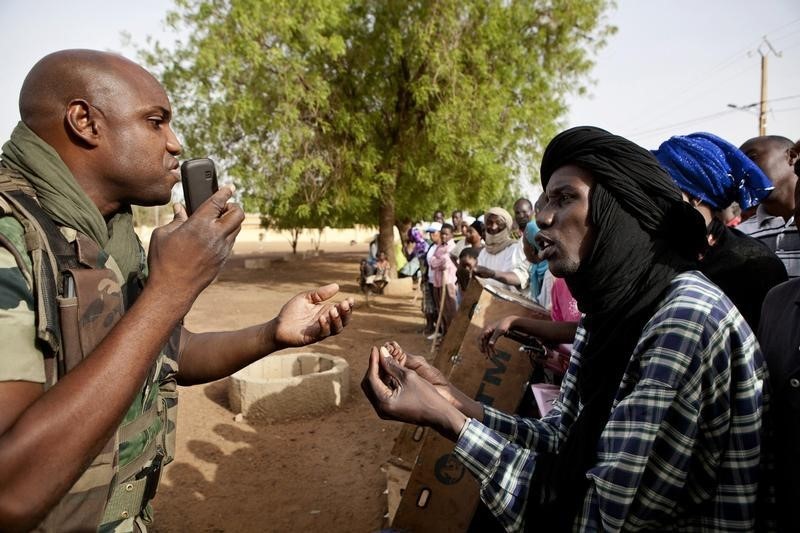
(257, 262)
(281, 387)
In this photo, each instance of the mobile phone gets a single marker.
(199, 179)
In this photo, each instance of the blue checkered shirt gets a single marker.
(681, 449)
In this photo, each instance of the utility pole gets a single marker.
(762, 108)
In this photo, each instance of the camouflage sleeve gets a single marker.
(20, 360)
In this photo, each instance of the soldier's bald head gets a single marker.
(62, 77)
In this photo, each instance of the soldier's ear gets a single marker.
(81, 122)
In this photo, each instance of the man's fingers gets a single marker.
(483, 340)
(231, 218)
(390, 366)
(372, 384)
(179, 217)
(393, 348)
(215, 205)
(323, 293)
(335, 320)
(324, 326)
(366, 381)
(403, 358)
(345, 309)
(493, 340)
(180, 212)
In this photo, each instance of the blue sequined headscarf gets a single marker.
(713, 170)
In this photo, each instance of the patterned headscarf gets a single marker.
(420, 246)
(713, 170)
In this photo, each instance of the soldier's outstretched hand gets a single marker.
(310, 317)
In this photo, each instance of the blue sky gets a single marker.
(672, 68)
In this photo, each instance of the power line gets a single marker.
(791, 46)
(683, 123)
(784, 98)
(682, 96)
(778, 30)
(678, 100)
(653, 131)
(769, 101)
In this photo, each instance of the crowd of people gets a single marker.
(445, 256)
(678, 406)
(678, 403)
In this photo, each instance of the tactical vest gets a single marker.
(77, 301)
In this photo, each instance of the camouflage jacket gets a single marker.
(113, 493)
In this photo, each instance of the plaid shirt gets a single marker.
(681, 449)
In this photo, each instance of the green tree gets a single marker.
(381, 109)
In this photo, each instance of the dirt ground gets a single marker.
(320, 473)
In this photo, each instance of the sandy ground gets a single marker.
(320, 473)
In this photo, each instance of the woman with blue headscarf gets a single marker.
(712, 173)
(539, 286)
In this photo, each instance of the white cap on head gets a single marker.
(434, 226)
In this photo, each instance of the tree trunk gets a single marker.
(295, 233)
(386, 230)
(319, 239)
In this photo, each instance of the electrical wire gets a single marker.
(679, 99)
(683, 123)
(694, 120)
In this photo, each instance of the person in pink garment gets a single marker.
(444, 276)
(565, 308)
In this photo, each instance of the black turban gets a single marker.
(636, 180)
(645, 234)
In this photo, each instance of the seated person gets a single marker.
(374, 278)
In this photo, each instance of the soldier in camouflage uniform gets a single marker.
(93, 342)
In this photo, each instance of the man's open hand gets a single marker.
(398, 393)
(310, 317)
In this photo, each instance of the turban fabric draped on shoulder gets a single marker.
(644, 235)
(713, 170)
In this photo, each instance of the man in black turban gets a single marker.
(658, 421)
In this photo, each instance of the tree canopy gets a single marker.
(332, 112)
